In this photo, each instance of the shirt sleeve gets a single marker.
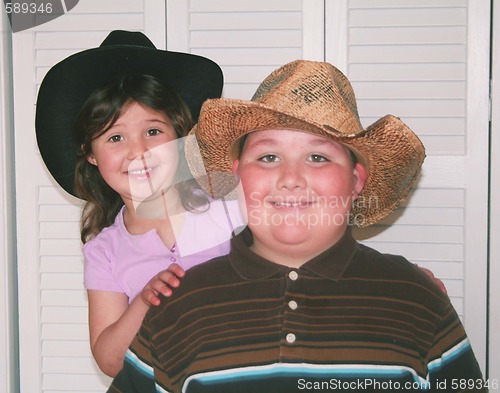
(98, 274)
(452, 365)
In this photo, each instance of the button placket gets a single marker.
(292, 306)
(173, 257)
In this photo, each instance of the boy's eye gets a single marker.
(115, 138)
(269, 158)
(153, 132)
(318, 158)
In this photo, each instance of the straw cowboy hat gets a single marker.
(317, 98)
(69, 83)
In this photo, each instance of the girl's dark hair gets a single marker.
(99, 113)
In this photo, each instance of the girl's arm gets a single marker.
(113, 323)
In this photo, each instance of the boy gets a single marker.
(298, 304)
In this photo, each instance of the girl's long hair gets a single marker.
(99, 113)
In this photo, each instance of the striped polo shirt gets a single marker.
(350, 319)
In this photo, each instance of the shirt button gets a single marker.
(290, 337)
(173, 259)
(293, 304)
(293, 275)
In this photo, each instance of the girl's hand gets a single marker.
(162, 283)
(434, 279)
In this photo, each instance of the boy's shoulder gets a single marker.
(214, 269)
(215, 272)
(392, 267)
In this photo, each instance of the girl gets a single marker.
(129, 163)
(123, 130)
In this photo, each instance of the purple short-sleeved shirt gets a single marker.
(118, 261)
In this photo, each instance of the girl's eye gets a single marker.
(153, 132)
(318, 158)
(115, 138)
(269, 158)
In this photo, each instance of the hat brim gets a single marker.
(391, 153)
(69, 83)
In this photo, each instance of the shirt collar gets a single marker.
(330, 264)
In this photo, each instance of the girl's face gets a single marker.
(138, 156)
(298, 189)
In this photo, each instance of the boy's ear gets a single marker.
(234, 168)
(360, 176)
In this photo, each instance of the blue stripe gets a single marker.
(450, 355)
(143, 368)
(307, 371)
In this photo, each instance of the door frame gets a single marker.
(9, 366)
(494, 202)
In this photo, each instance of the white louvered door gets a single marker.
(248, 38)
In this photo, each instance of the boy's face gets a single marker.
(298, 189)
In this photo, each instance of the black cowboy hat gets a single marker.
(69, 83)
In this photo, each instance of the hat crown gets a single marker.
(312, 91)
(132, 38)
